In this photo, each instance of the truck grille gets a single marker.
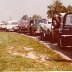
(67, 31)
(66, 40)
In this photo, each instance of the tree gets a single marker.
(25, 17)
(56, 7)
(69, 8)
(59, 7)
(36, 17)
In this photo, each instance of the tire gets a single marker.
(43, 36)
(48, 36)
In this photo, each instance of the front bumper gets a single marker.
(66, 40)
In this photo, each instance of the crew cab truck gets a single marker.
(65, 32)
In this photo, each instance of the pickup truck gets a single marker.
(65, 32)
(46, 26)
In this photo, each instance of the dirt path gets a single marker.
(53, 47)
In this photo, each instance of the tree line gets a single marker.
(56, 7)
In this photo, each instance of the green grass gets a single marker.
(10, 62)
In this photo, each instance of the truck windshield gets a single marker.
(69, 19)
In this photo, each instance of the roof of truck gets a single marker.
(62, 14)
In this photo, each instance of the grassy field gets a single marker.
(18, 62)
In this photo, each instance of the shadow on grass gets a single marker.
(61, 60)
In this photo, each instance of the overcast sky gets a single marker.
(18, 8)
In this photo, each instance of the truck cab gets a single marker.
(65, 32)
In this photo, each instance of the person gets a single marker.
(56, 21)
(31, 27)
(31, 22)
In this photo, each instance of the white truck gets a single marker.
(47, 29)
(46, 26)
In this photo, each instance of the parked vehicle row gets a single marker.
(46, 28)
(9, 26)
(12, 26)
(61, 34)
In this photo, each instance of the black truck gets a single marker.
(65, 32)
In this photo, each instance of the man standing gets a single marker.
(56, 21)
(31, 27)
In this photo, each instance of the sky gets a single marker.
(17, 8)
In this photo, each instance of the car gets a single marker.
(65, 32)
(3, 25)
(12, 26)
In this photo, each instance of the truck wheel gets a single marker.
(43, 36)
(48, 36)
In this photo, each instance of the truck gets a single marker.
(48, 31)
(65, 32)
(45, 28)
(23, 26)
